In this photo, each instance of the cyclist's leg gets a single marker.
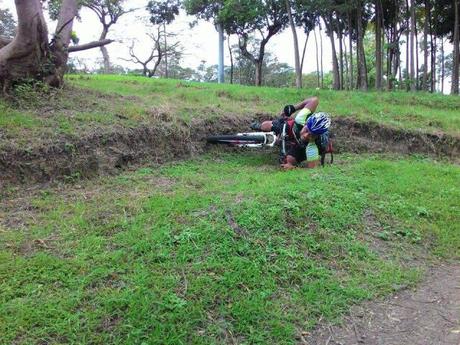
(268, 126)
(265, 126)
(290, 162)
(295, 155)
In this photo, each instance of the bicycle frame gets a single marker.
(269, 141)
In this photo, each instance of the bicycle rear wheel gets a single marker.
(232, 139)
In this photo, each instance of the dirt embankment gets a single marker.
(108, 151)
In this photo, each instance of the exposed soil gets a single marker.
(428, 315)
(106, 152)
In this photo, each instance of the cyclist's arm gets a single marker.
(310, 103)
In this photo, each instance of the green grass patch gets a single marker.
(220, 248)
(104, 101)
(420, 111)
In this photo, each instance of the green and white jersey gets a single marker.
(312, 152)
(301, 117)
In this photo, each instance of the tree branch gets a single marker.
(90, 45)
(4, 41)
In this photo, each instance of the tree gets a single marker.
(7, 24)
(446, 25)
(267, 18)
(298, 70)
(108, 12)
(378, 43)
(31, 55)
(157, 52)
(456, 53)
(329, 22)
(412, 41)
(244, 18)
(361, 56)
(305, 16)
(395, 23)
(163, 12)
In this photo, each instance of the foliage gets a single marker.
(164, 11)
(7, 24)
(245, 18)
(112, 9)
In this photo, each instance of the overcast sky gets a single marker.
(199, 43)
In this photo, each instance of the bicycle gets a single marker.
(265, 139)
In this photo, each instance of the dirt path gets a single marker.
(428, 315)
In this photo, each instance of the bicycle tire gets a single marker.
(232, 139)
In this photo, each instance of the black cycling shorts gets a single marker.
(295, 150)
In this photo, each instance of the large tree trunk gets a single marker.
(298, 71)
(231, 59)
(407, 48)
(412, 44)
(166, 51)
(302, 60)
(317, 59)
(335, 63)
(362, 69)
(350, 38)
(60, 47)
(417, 65)
(456, 57)
(378, 45)
(346, 63)
(321, 58)
(258, 65)
(104, 51)
(24, 56)
(434, 50)
(425, 49)
(29, 55)
(340, 36)
(442, 65)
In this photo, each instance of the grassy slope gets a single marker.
(215, 249)
(106, 101)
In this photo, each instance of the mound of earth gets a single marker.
(105, 152)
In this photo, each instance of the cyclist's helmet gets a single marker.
(318, 123)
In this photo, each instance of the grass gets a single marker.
(102, 102)
(421, 111)
(219, 249)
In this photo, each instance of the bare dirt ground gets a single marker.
(427, 315)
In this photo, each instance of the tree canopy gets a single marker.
(7, 24)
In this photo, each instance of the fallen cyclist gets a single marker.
(302, 133)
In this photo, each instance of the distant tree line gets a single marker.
(413, 25)
(367, 38)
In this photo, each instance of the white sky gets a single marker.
(199, 43)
